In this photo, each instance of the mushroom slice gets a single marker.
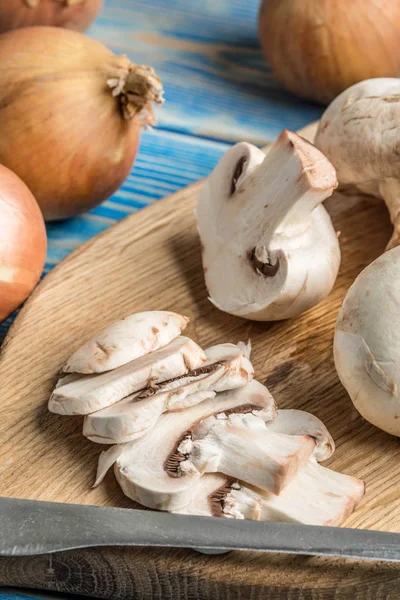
(240, 445)
(359, 133)
(269, 248)
(68, 378)
(226, 368)
(299, 422)
(126, 340)
(82, 395)
(317, 496)
(148, 468)
(209, 494)
(106, 461)
(131, 418)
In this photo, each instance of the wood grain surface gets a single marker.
(218, 90)
(151, 260)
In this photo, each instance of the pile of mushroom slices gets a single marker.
(194, 433)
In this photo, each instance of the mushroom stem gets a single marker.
(261, 261)
(270, 251)
(297, 178)
(317, 496)
(240, 445)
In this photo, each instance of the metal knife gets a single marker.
(29, 528)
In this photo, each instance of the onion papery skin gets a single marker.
(22, 242)
(61, 128)
(72, 14)
(318, 48)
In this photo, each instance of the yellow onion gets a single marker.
(22, 242)
(73, 14)
(70, 116)
(318, 48)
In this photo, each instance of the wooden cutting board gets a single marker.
(150, 261)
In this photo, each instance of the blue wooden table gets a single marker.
(218, 90)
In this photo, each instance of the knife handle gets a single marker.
(149, 573)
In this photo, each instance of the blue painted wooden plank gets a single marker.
(16, 594)
(13, 595)
(167, 162)
(207, 53)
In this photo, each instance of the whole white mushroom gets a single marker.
(367, 342)
(360, 134)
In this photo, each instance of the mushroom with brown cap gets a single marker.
(269, 248)
(82, 395)
(126, 340)
(367, 342)
(360, 134)
(147, 469)
(226, 368)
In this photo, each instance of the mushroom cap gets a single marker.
(124, 420)
(299, 422)
(360, 133)
(141, 468)
(126, 340)
(367, 342)
(82, 395)
(269, 248)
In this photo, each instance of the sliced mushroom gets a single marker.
(208, 496)
(148, 468)
(241, 446)
(226, 368)
(68, 378)
(299, 422)
(130, 418)
(125, 341)
(106, 460)
(82, 395)
(316, 496)
(269, 248)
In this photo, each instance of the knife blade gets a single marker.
(29, 528)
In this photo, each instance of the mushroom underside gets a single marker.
(269, 248)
